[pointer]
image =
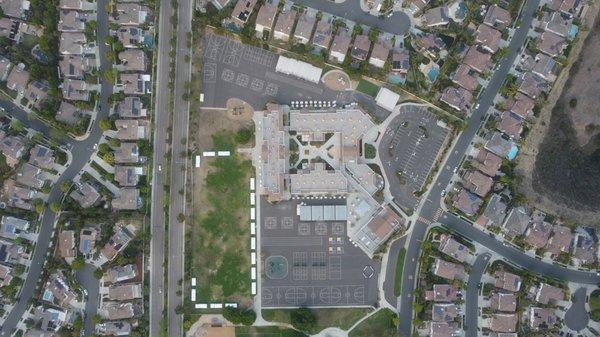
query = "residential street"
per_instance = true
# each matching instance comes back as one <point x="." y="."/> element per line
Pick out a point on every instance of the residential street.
<point x="81" y="151"/>
<point x="471" y="302"/>
<point x="157" y="214"/>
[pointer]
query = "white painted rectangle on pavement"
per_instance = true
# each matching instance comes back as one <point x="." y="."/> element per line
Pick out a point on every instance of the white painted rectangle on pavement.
<point x="193" y="295"/>
<point x="252" y="228"/>
<point x="253" y="273"/>
<point x="252" y="213"/>
<point x="231" y="305"/>
<point x="223" y="153"/>
<point x="197" y="161"/>
<point x="209" y="153"/>
<point x="193" y="281"/>
<point x="216" y="305"/>
<point x="253" y="288"/>
<point x="253" y="243"/>
<point x="201" y="306"/>
<point x="252" y="186"/>
<point x="253" y="258"/>
<point x="252" y="198"/>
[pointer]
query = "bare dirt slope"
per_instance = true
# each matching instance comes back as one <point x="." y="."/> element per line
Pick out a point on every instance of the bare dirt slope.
<point x="560" y="162"/>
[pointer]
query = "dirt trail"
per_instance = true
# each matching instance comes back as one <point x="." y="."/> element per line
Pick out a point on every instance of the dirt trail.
<point x="529" y="151"/>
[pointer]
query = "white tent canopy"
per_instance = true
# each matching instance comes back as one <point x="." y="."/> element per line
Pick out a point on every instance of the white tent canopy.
<point x="299" y="69"/>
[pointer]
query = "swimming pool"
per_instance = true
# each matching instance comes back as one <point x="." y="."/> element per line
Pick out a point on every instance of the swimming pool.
<point x="574" y="30"/>
<point x="433" y="73"/>
<point x="512" y="153"/>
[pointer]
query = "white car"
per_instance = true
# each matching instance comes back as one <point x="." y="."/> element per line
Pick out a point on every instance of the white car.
<point x="455" y="169"/>
<point x="159" y="168"/>
<point x="476" y="106"/>
<point x="443" y="193"/>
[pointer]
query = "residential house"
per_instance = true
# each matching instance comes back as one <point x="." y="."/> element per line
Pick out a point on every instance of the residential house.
<point x="537" y="234"/>
<point x="457" y="98"/>
<point x="541" y="318"/>
<point x="511" y="125"/>
<point x="36" y="93"/>
<point x="87" y="240"/>
<point x="5" y="67"/>
<point x="8" y="28"/>
<point x="85" y="194"/>
<point x="429" y="44"/>
<point x="125" y="292"/>
<point x="379" y="54"/>
<point x="114" y="328"/>
<point x="488" y="38"/>
<point x="128" y="153"/>
<point x="467" y="202"/>
<point x="361" y="47"/>
<point x="340" y="45"/>
<point x="66" y="245"/>
<point x="478" y="183"/>
<point x="494" y="212"/>
<point x="130" y="107"/>
<point x="6" y="275"/>
<point x="58" y="292"/>
<point x="418" y="5"/>
<point x="501" y="147"/>
<point x="266" y="17"/>
<point x="11" y="227"/>
<point x="477" y="60"/>
<point x="437" y="16"/>
<point x="18" y="78"/>
<point x="128" y="176"/>
<point x="72" y="43"/>
<point x="570" y="8"/>
<point x="71" y="21"/>
<point x="323" y="33"/>
<point x="551" y="44"/>
<point x="76" y="4"/>
<point x="444" y="312"/>
<point x="12" y="147"/>
<point x="497" y="17"/>
<point x="75" y="90"/>
<point x="241" y="12"/>
<point x="549" y="294"/>
<point x="30" y="176"/>
<point x="74" y="66"/>
<point x="585" y="245"/>
<point x="304" y="27"/>
<point x="557" y="23"/>
<point x="400" y="61"/>
<point x="507" y="281"/>
<point x="42" y="157"/>
<point x="532" y="85"/>
<point x="128" y="199"/>
<point x="451" y="247"/>
<point x="132" y="129"/>
<point x="135" y="84"/>
<point x="117" y="310"/>
<point x="441" y="329"/>
<point x="517" y="221"/>
<point x="68" y="113"/>
<point x="220" y="4"/>
<point x="448" y="270"/>
<point x="15" y="8"/>
<point x="503" y="322"/>
<point x="130" y="37"/>
<point x="285" y="24"/>
<point x="545" y="67"/>
<point x="443" y="293"/>
<point x="130" y="14"/>
<point x="50" y="319"/>
<point x="561" y="241"/>
<point x="117" y="242"/>
<point x="522" y="106"/>
<point x="506" y="302"/>
<point x="121" y="273"/>
<point x="133" y="60"/>
<point x="487" y="162"/>
<point x="17" y="196"/>
<point x="466" y="77"/>
<point x="12" y="253"/>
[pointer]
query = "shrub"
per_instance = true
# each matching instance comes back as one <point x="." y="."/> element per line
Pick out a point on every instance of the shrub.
<point x="244" y="136"/>
<point x="239" y="316"/>
<point x="303" y="319"/>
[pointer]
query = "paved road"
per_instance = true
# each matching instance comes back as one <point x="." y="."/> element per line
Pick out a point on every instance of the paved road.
<point x="577" y="318"/>
<point x="472" y="311"/>
<point x="179" y="146"/>
<point x="157" y="214"/>
<point x="81" y="152"/>
<point x="85" y="277"/>
<point x="398" y="23"/>
<point x="431" y="205"/>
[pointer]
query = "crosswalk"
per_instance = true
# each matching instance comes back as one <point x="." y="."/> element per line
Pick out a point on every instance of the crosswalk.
<point x="435" y="218"/>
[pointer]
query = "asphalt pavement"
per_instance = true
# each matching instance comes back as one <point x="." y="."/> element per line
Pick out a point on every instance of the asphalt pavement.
<point x="472" y="310"/>
<point x="179" y="142"/>
<point x="81" y="152"/>
<point x="157" y="214"/>
<point x="577" y="318"/>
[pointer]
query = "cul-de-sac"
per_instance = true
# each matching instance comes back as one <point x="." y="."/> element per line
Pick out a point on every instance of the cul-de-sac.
<point x="299" y="168"/>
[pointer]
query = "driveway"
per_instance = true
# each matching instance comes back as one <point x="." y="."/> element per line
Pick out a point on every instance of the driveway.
<point x="577" y="318"/>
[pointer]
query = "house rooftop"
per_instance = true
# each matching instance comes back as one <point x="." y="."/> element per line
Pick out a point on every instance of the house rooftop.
<point x="532" y="85"/>
<point x="127" y="199"/>
<point x="30" y="176"/>
<point x="522" y="106"/>
<point x="285" y="23"/>
<point x="507" y="281"/>
<point x="467" y="202"/>
<point x="121" y="273"/>
<point x="17" y="78"/>
<point x="133" y="60"/>
<point x="457" y="98"/>
<point x="131" y="14"/>
<point x="488" y="37"/>
<point x="453" y="248"/>
<point x="130" y="107"/>
<point x="132" y="129"/>
<point x="86" y="195"/>
<point x="510" y="124"/>
<point x="487" y="162"/>
<point x="561" y="240"/>
<point x="266" y="14"/>
<point x="323" y="33"/>
<point x="506" y="302"/>
<point x="538" y="233"/>
<point x="66" y="244"/>
<point x="517" y="221"/>
<point x="442" y="293"/>
<point x="547" y="294"/>
<point x="444" y="312"/>
<point x="437" y="16"/>
<point x="74" y="66"/>
<point x="128" y="175"/>
<point x="128" y="153"/>
<point x="68" y="113"/>
<point x="125" y="292"/>
<point x="466" y="77"/>
<point x="448" y="270"/>
<point x="503" y="322"/>
<point x="494" y="212"/>
<point x="497" y="17"/>
<point x="551" y="44"/>
<point x="478" y="60"/>
<point x="304" y="27"/>
<point x="542" y="318"/>
<point x="242" y="10"/>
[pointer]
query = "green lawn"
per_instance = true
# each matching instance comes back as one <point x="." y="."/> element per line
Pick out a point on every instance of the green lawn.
<point x="220" y="234"/>
<point x="367" y="88"/>
<point x="399" y="268"/>
<point x="342" y="318"/>
<point x="595" y="305"/>
<point x="381" y="324"/>
<point x="266" y="331"/>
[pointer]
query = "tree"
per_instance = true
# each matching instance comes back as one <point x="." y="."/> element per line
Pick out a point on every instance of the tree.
<point x="239" y="316"/>
<point x="244" y="135"/>
<point x="180" y="217"/>
<point x="78" y="263"/>
<point x="303" y="319"/>
<point x="55" y="207"/>
<point x="105" y="124"/>
<point x="65" y="186"/>
<point x="39" y="205"/>
<point x="98" y="273"/>
<point x="16" y="125"/>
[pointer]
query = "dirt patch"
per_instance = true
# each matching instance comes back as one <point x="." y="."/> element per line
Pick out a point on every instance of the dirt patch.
<point x="238" y="110"/>
<point x="560" y="161"/>
<point x="337" y="80"/>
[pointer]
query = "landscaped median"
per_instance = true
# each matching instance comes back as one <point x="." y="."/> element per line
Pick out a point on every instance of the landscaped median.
<point x="399" y="268"/>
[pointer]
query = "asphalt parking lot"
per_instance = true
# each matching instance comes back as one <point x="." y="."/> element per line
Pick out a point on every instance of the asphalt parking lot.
<point x="322" y="267"/>
<point x="232" y="69"/>
<point x="410" y="145"/>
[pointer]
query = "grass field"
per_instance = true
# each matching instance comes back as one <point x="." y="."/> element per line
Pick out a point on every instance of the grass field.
<point x="399" y="268"/>
<point x="342" y="318"/>
<point x="266" y="331"/>
<point x="381" y="324"/>
<point x="595" y="305"/>
<point x="220" y="231"/>
<point x="368" y="88"/>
